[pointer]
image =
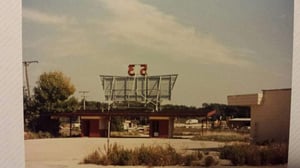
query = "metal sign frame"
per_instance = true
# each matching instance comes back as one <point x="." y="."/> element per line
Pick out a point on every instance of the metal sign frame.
<point x="143" y="89"/>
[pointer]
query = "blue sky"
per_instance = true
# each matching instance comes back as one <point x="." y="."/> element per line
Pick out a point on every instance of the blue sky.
<point x="218" y="48"/>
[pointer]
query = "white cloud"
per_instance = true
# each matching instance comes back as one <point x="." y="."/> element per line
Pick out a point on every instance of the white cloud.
<point x="44" y="18"/>
<point x="145" y="26"/>
<point x="140" y="26"/>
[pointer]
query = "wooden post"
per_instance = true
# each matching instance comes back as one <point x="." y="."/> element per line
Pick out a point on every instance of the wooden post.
<point x="70" y="126"/>
<point x="108" y="134"/>
<point x="206" y="123"/>
<point x="202" y="127"/>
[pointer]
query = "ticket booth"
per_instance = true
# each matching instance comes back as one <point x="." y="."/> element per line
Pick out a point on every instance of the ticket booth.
<point x="94" y="126"/>
<point x="161" y="127"/>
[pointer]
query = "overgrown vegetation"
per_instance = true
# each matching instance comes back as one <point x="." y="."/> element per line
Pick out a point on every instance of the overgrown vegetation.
<point x="223" y="138"/>
<point x="255" y="155"/>
<point x="238" y="154"/>
<point x="144" y="155"/>
<point x="117" y="123"/>
<point x="215" y="135"/>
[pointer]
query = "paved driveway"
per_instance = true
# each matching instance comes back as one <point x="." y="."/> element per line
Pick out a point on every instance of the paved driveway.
<point x="68" y="152"/>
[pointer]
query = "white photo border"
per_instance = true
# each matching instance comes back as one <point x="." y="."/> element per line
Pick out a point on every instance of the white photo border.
<point x="12" y="153"/>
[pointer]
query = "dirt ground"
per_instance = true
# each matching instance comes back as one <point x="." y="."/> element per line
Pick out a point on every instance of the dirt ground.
<point x="69" y="152"/>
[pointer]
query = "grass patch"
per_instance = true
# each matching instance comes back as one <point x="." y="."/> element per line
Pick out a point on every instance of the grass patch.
<point x="183" y="130"/>
<point x="223" y="136"/>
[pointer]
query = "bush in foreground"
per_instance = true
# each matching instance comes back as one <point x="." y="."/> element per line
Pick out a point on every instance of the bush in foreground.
<point x="255" y="155"/>
<point x="144" y="155"/>
<point x="210" y="161"/>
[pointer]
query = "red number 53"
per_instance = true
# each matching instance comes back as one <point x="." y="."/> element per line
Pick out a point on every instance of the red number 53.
<point x="143" y="69"/>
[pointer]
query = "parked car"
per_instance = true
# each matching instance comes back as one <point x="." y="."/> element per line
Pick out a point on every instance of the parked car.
<point x="191" y="121"/>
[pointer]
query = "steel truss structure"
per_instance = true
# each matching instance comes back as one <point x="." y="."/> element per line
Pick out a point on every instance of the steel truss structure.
<point x="140" y="89"/>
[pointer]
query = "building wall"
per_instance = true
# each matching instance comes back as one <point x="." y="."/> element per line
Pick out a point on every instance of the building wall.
<point x="270" y="120"/>
<point x="243" y="100"/>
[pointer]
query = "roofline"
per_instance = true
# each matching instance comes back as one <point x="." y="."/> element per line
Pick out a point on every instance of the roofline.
<point x="118" y="76"/>
<point x="282" y="89"/>
<point x="251" y="94"/>
<point x="276" y="89"/>
<point x="167" y="113"/>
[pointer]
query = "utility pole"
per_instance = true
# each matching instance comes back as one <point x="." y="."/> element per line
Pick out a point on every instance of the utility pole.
<point x="26" y="64"/>
<point x="83" y="92"/>
<point x="84" y="96"/>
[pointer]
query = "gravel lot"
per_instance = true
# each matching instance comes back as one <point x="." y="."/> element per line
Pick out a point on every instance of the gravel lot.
<point x="68" y="152"/>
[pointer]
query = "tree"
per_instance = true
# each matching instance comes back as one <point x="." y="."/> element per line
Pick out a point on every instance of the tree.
<point x="93" y="105"/>
<point x="52" y="95"/>
<point x="228" y="110"/>
<point x="117" y="123"/>
<point x="30" y="112"/>
<point x="52" y="89"/>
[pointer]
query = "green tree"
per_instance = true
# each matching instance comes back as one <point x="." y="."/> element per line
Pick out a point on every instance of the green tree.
<point x="117" y="123"/>
<point x="30" y="113"/>
<point x="93" y="105"/>
<point x="52" y="95"/>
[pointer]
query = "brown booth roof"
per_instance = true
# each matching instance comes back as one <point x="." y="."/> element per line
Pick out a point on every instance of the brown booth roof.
<point x="128" y="112"/>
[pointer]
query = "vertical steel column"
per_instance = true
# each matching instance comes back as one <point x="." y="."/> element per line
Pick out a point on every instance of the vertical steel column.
<point x="158" y="94"/>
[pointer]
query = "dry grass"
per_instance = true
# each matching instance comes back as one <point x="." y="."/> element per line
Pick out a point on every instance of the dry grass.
<point x="213" y="134"/>
<point x="155" y="155"/>
<point x="228" y="136"/>
<point x="256" y="155"/>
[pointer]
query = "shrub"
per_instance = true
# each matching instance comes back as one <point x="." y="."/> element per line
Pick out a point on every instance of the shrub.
<point x="93" y="158"/>
<point x="275" y="154"/>
<point x="234" y="153"/>
<point x="255" y="155"/>
<point x="44" y="134"/>
<point x="209" y="161"/>
<point x="150" y="155"/>
<point x="38" y="135"/>
<point x="188" y="159"/>
<point x="116" y="124"/>
<point x="143" y="155"/>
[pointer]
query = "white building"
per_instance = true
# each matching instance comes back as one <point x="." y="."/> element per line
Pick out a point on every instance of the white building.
<point x="270" y="113"/>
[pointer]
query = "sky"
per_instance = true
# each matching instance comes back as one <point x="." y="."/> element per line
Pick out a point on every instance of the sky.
<point x="217" y="48"/>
